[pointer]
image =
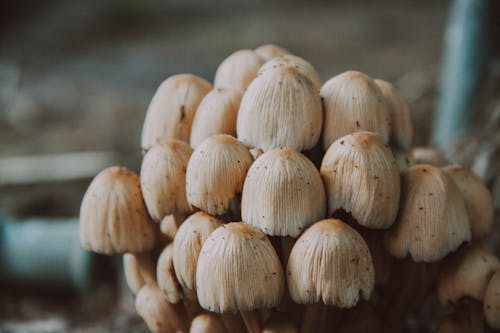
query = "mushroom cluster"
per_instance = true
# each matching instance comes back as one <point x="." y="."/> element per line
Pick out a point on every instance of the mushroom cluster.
<point x="271" y="202"/>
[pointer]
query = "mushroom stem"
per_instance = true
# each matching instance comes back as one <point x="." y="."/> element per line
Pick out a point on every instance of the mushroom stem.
<point x="286" y="248"/>
<point x="191" y="303"/>
<point x="251" y="319"/>
<point x="233" y="322"/>
<point x="312" y="315"/>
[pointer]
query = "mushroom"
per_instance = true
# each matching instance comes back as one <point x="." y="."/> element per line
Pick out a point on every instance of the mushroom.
<point x="270" y="51"/>
<point x="171" y="111"/>
<point x="168" y="228"/>
<point x="477" y="197"/>
<point x="113" y="216"/>
<point x="165" y="275"/>
<point x="216" y="172"/>
<point x="239" y="270"/>
<point x="362" y="178"/>
<point x="216" y="114"/>
<point x="428" y="155"/>
<point x="353" y="102"/>
<point x="492" y="301"/>
<point x="401" y="134"/>
<point x="163" y="179"/>
<point x="207" y="323"/>
<point x="238" y="70"/>
<point x="432" y="219"/>
<point x="283" y="193"/>
<point x="281" y="108"/>
<point x="138" y="270"/>
<point x="302" y="65"/>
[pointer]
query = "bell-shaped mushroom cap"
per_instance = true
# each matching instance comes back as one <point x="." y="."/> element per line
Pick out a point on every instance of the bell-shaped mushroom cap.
<point x="238" y="270"/>
<point x="492" y="301"/>
<point x="279" y="324"/>
<point x="133" y="273"/>
<point x="302" y="65"/>
<point x="432" y="219"/>
<point x="283" y="193"/>
<point x="270" y="51"/>
<point x="216" y="173"/>
<point x="207" y="323"/>
<point x="353" y="102"/>
<point x="160" y="316"/>
<point x="187" y="246"/>
<point x="171" y="111"/>
<point x="165" y="274"/>
<point x="466" y="273"/>
<point x="216" y="114"/>
<point x="401" y="134"/>
<point x="113" y="216"/>
<point x="330" y="262"/>
<point x="163" y="179"/>
<point x="281" y="108"/>
<point x="361" y="177"/>
<point x="428" y="155"/>
<point x="238" y="70"/>
<point x="477" y="198"/>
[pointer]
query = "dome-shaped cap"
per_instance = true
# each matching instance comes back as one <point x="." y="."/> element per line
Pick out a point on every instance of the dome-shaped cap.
<point x="238" y="70"/>
<point x="165" y="274"/>
<point x="270" y="51"/>
<point x="302" y="65"/>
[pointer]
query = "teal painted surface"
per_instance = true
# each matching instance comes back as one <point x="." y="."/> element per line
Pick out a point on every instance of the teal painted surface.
<point x="464" y="63"/>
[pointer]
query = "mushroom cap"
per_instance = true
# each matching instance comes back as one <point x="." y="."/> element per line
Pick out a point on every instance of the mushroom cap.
<point x="187" y="246"/>
<point x="330" y="262"/>
<point x="165" y="274"/>
<point x="361" y="177"/>
<point x="477" y="197"/>
<point x="207" y="323"/>
<point x="283" y="193"/>
<point x="270" y="51"/>
<point x="238" y="270"/>
<point x="303" y="66"/>
<point x="353" y="102"/>
<point x="113" y="216"/>
<point x="132" y="272"/>
<point x="163" y="179"/>
<point x="216" y="114"/>
<point x="432" y="219"/>
<point x="281" y="108"/>
<point x="466" y="273"/>
<point x="171" y="111"/>
<point x="238" y="70"/>
<point x="492" y="301"/>
<point x="401" y="134"/>
<point x="216" y="173"/>
<point x="169" y="226"/>
<point x="428" y="155"/>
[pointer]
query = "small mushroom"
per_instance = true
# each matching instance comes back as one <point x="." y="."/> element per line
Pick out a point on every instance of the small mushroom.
<point x="165" y="274"/>
<point x="171" y="111"/>
<point x="352" y="103"/>
<point x="238" y="70"/>
<point x="270" y="51"/>
<point x="113" y="216"/>
<point x="137" y="274"/>
<point x="428" y="155"/>
<point x="432" y="219"/>
<point x="207" y="323"/>
<point x="168" y="228"/>
<point x="302" y="65"/>
<point x="492" y="301"/>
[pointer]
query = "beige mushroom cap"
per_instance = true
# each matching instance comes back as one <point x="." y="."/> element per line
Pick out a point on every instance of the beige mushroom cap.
<point x="207" y="323"/>
<point x="361" y="177"/>
<point x="270" y="51"/>
<point x="428" y="155"/>
<point x="283" y="193"/>
<point x="216" y="114"/>
<point x="492" y="301"/>
<point x="165" y="274"/>
<point x="138" y="270"/>
<point x="432" y="219"/>
<point x="187" y="246"/>
<point x="331" y="263"/>
<point x="478" y="199"/>
<point x="113" y="216"/>
<point x="238" y="270"/>
<point x="216" y="173"/>
<point x="303" y="66"/>
<point x="238" y="70"/>
<point x="281" y="108"/>
<point x="466" y="273"/>
<point x="353" y="102"/>
<point x="171" y="111"/>
<point x="163" y="179"/>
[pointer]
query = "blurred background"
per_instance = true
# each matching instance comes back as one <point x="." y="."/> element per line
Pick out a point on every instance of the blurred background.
<point x="76" y="78"/>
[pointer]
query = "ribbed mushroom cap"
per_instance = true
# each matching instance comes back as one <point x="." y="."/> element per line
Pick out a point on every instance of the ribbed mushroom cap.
<point x="238" y="70"/>
<point x="353" y="102"/>
<point x="163" y="179"/>
<point x="270" y="51"/>
<point x="432" y="219"/>
<point x="165" y="275"/>
<point x="302" y="65"/>
<point x="216" y="114"/>
<point x="216" y="173"/>
<point x="477" y="198"/>
<point x="283" y="193"/>
<point x="492" y="301"/>
<point x="238" y="270"/>
<point x="171" y="111"/>
<point x="401" y="134"/>
<point x="113" y="216"/>
<point x="331" y="263"/>
<point x="428" y="155"/>
<point x="207" y="323"/>
<point x="466" y="273"/>
<point x="361" y="177"/>
<point x="279" y="324"/>
<point x="281" y="108"/>
<point x="160" y="316"/>
<point x="187" y="246"/>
